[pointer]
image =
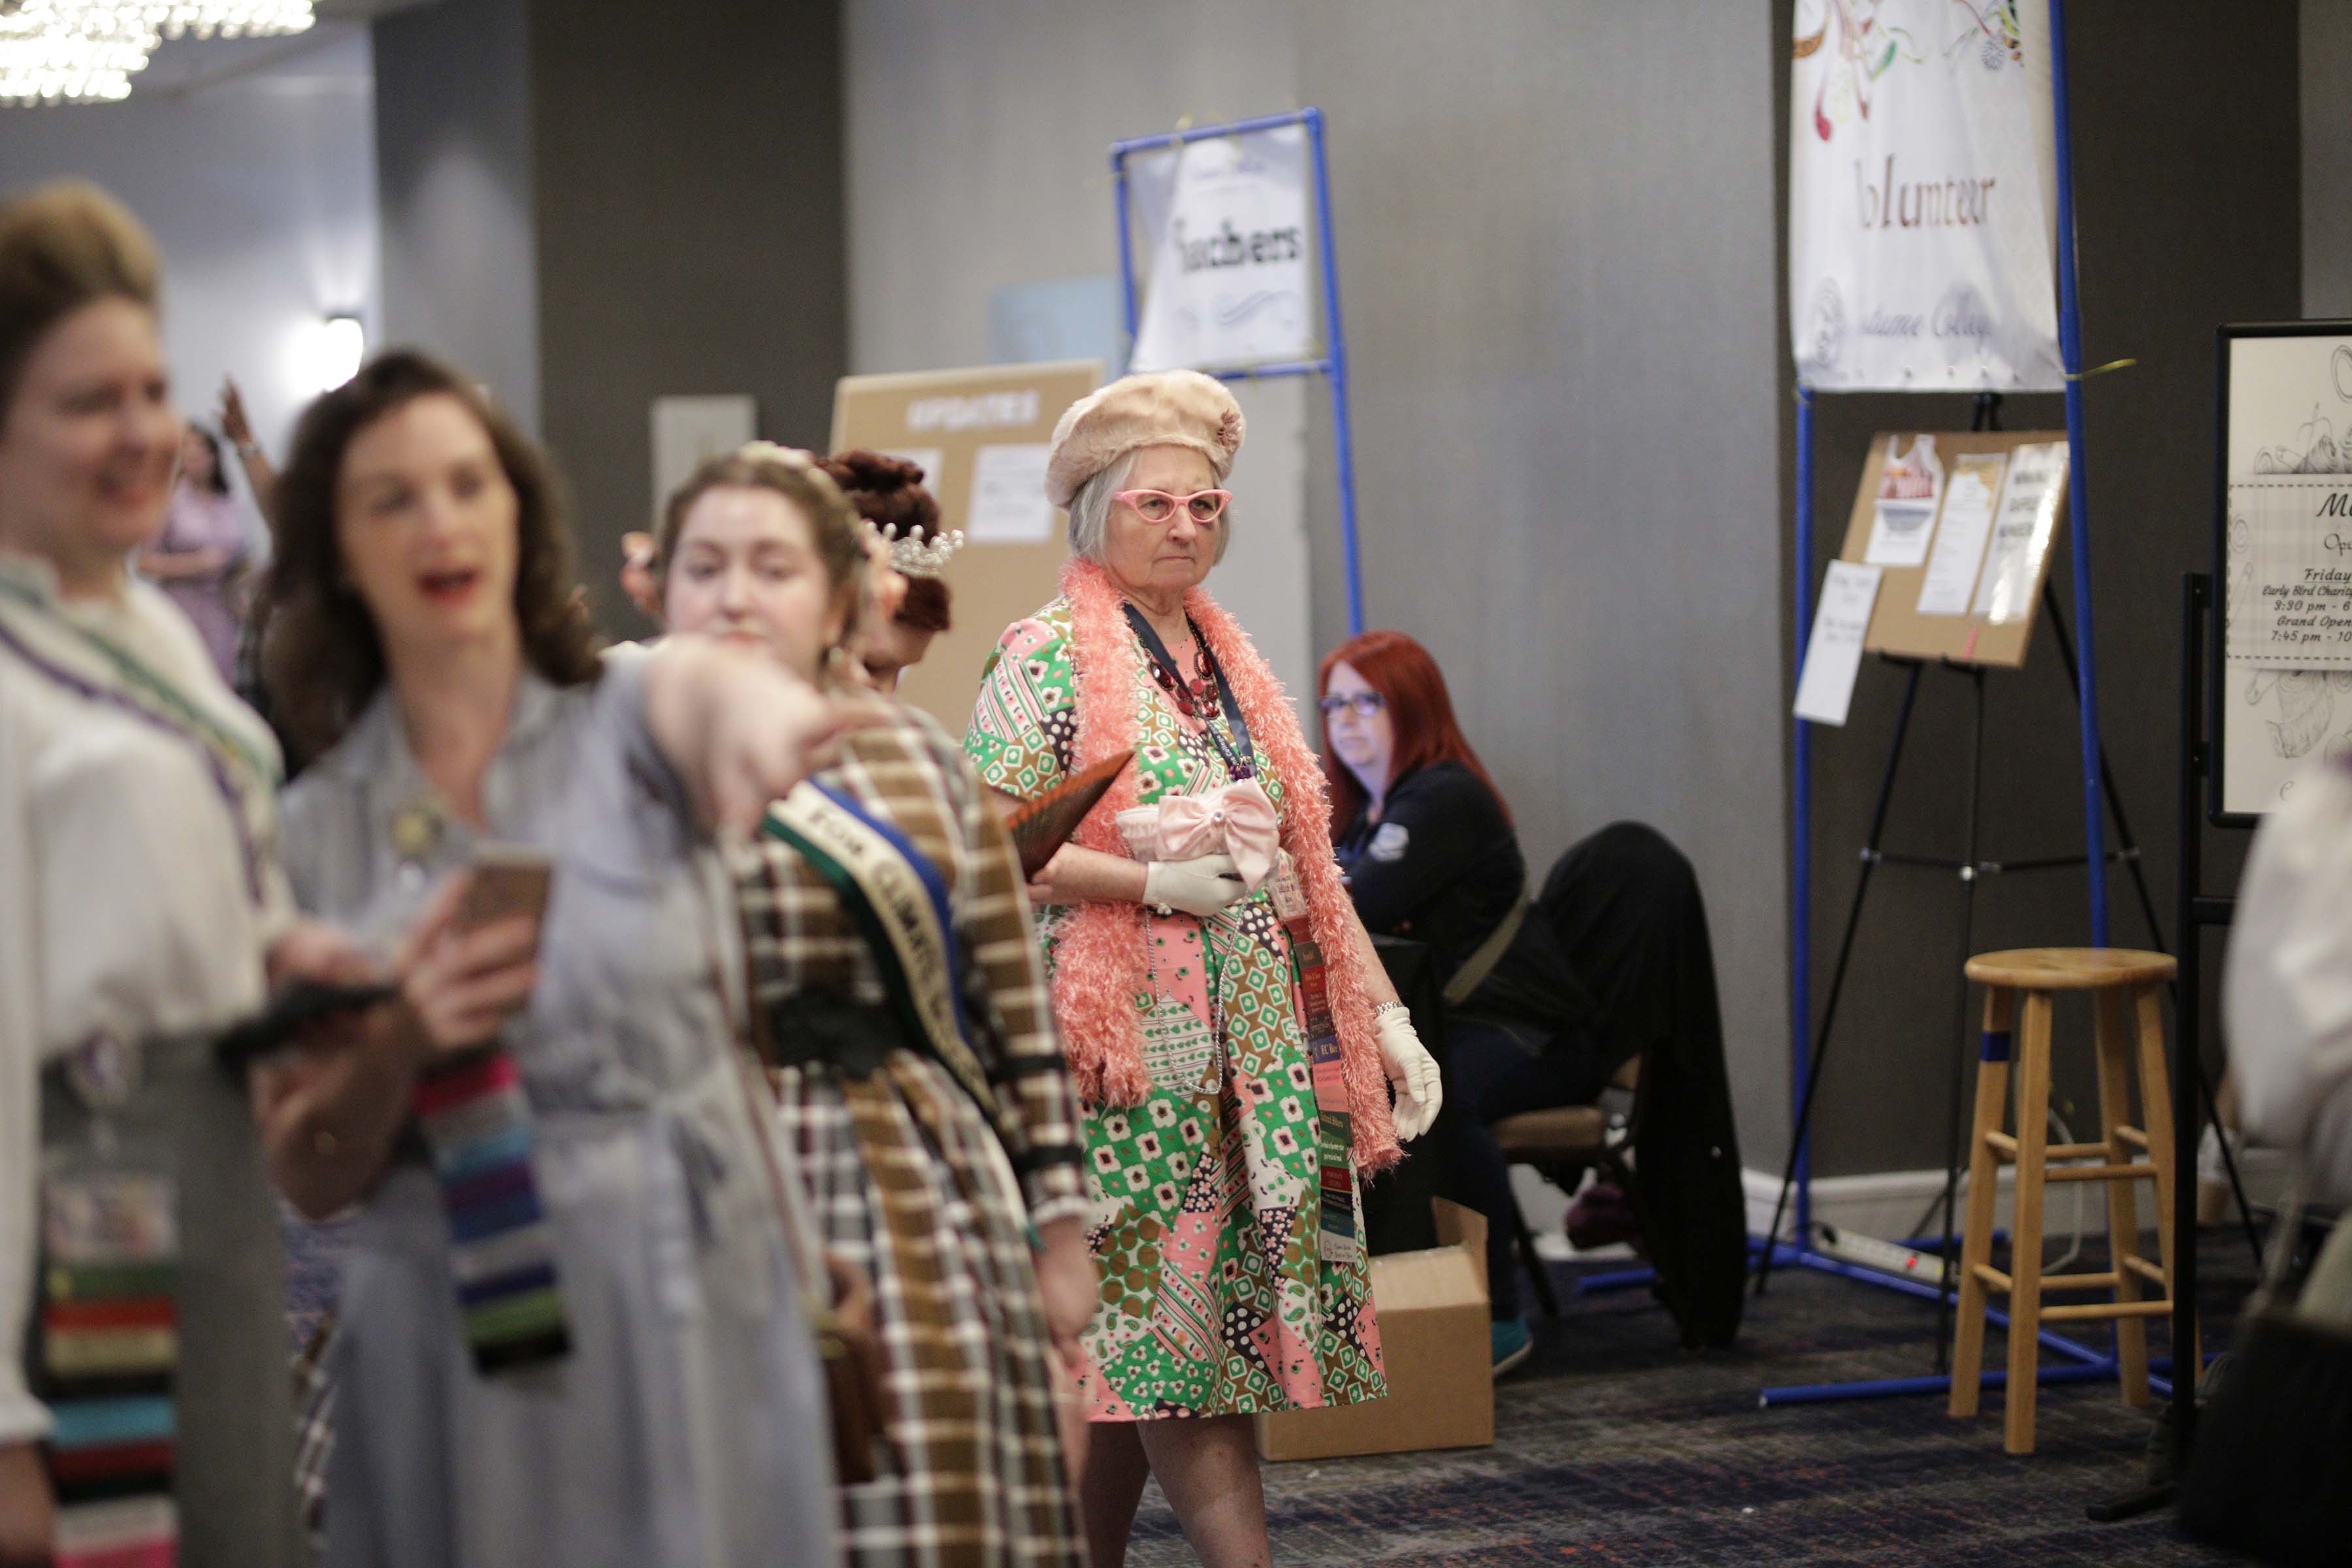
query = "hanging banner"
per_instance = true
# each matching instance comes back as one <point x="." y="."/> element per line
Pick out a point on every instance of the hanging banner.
<point x="1922" y="179"/>
<point x="1224" y="231"/>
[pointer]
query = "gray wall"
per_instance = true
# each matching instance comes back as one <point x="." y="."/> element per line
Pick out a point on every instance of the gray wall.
<point x="454" y="159"/>
<point x="2326" y="75"/>
<point x="1567" y="441"/>
<point x="977" y="160"/>
<point x="590" y="212"/>
<point x="2187" y="161"/>
<point x="1566" y="423"/>
<point x="259" y="190"/>
<point x="690" y="233"/>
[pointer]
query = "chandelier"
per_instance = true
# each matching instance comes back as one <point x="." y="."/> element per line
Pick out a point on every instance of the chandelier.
<point x="92" y="61"/>
<point x="207" y="19"/>
<point x="87" y="51"/>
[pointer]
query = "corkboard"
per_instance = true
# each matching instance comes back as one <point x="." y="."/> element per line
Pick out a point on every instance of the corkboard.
<point x="994" y="584"/>
<point x="1896" y="627"/>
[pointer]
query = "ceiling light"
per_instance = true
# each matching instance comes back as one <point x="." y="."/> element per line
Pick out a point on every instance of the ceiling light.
<point x="171" y="18"/>
<point x="42" y="60"/>
<point x="221" y="19"/>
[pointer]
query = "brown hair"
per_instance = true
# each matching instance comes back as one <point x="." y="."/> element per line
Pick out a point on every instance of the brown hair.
<point x="790" y="473"/>
<point x="889" y="493"/>
<point x="322" y="659"/>
<point x="928" y="605"/>
<point x="62" y="247"/>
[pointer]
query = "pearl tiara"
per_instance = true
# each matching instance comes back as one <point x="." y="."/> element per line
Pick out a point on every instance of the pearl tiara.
<point x="917" y="556"/>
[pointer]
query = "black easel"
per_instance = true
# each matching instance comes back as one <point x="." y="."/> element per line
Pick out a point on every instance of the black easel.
<point x="1986" y="415"/>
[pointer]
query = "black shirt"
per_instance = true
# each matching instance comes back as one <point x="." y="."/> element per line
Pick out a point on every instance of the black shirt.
<point x="1442" y="866"/>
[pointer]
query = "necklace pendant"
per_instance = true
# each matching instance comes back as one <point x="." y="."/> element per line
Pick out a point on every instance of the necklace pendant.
<point x="416" y="831"/>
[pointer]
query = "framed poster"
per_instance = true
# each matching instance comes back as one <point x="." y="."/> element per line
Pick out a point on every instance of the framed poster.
<point x="2282" y="678"/>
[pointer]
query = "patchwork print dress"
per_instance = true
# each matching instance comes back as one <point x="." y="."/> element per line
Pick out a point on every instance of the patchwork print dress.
<point x="1223" y="1209"/>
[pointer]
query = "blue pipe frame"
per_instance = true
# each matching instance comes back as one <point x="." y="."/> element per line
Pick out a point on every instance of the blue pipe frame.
<point x="1332" y="366"/>
<point x="2083" y="1363"/>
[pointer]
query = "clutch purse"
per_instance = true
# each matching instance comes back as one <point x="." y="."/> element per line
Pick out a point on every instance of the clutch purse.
<point x="1236" y="820"/>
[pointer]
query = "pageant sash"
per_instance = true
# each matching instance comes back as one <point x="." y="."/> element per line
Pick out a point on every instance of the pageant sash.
<point x="900" y="901"/>
<point x="94" y="668"/>
<point x="152" y="691"/>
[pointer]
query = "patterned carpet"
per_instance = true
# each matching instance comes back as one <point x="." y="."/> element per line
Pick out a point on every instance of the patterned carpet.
<point x="1612" y="1447"/>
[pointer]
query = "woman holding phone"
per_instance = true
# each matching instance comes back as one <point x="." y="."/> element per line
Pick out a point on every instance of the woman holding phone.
<point x="572" y="1329"/>
<point x="913" y="1055"/>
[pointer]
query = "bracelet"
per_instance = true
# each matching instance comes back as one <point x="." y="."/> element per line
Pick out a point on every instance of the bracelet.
<point x="248" y="448"/>
<point x="1383" y="1009"/>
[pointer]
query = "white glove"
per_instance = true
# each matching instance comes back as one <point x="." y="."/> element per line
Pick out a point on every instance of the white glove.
<point x="1206" y="886"/>
<point x="1413" y="1072"/>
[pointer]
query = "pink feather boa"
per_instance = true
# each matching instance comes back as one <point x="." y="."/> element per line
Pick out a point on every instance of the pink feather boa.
<point x="1100" y="970"/>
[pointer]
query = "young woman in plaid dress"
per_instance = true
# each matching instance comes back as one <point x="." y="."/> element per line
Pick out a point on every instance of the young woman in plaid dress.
<point x="914" y="1064"/>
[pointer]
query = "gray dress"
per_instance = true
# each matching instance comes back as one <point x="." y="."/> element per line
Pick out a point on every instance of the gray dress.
<point x="688" y="1424"/>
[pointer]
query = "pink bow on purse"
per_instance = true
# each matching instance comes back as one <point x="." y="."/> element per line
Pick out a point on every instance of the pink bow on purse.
<point x="1237" y="820"/>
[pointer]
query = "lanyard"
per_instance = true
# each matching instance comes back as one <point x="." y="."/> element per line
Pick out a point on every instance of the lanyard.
<point x="1237" y="753"/>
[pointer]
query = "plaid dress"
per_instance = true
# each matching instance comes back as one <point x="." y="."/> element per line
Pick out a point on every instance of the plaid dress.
<point x="909" y="1179"/>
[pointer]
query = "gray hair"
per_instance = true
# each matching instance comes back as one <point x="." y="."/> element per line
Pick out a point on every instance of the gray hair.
<point x="1090" y="512"/>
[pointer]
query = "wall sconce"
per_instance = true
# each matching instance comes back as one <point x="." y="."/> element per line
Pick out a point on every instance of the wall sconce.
<point x="336" y="347"/>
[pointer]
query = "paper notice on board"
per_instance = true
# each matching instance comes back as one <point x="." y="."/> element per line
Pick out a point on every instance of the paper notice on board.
<point x="1960" y="535"/>
<point x="1904" y="517"/>
<point x="1833" y="653"/>
<point x="2023" y="526"/>
<point x="1008" y="496"/>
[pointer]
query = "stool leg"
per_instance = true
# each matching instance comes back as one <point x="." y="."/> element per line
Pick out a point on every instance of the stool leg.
<point x="1984" y="1185"/>
<point x="2155" y="1110"/>
<point x="2025" y="1225"/>
<point x="2115" y="1053"/>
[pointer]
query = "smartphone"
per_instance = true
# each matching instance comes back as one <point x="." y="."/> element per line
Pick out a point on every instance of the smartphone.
<point x="290" y="1012"/>
<point x="508" y="879"/>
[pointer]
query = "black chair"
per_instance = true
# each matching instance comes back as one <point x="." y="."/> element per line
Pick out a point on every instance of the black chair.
<point x="1573" y="1136"/>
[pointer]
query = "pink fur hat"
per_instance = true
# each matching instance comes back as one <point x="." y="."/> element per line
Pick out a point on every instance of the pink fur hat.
<point x="1166" y="408"/>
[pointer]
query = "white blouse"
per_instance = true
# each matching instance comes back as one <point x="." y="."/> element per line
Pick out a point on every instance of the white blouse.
<point x="2289" y="991"/>
<point x="138" y="877"/>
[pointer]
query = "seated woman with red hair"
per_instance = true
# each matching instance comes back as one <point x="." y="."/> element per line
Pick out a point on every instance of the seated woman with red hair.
<point x="1546" y="998"/>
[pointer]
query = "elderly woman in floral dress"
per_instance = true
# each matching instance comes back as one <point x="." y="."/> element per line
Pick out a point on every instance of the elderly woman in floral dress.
<point x="1227" y="1025"/>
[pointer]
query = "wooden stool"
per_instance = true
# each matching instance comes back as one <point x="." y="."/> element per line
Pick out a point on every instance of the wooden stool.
<point x="2123" y="987"/>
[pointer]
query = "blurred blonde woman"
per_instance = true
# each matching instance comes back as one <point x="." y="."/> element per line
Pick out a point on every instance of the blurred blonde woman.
<point x="142" y="905"/>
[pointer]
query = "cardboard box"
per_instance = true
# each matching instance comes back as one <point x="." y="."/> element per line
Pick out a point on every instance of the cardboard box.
<point x="1432" y="1308"/>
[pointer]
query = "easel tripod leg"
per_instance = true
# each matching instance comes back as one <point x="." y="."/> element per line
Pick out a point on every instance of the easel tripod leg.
<point x="1837" y="976"/>
<point x="1960" y="1025"/>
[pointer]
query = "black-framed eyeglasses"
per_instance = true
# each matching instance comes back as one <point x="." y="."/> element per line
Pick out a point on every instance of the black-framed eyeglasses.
<point x="1364" y="704"/>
